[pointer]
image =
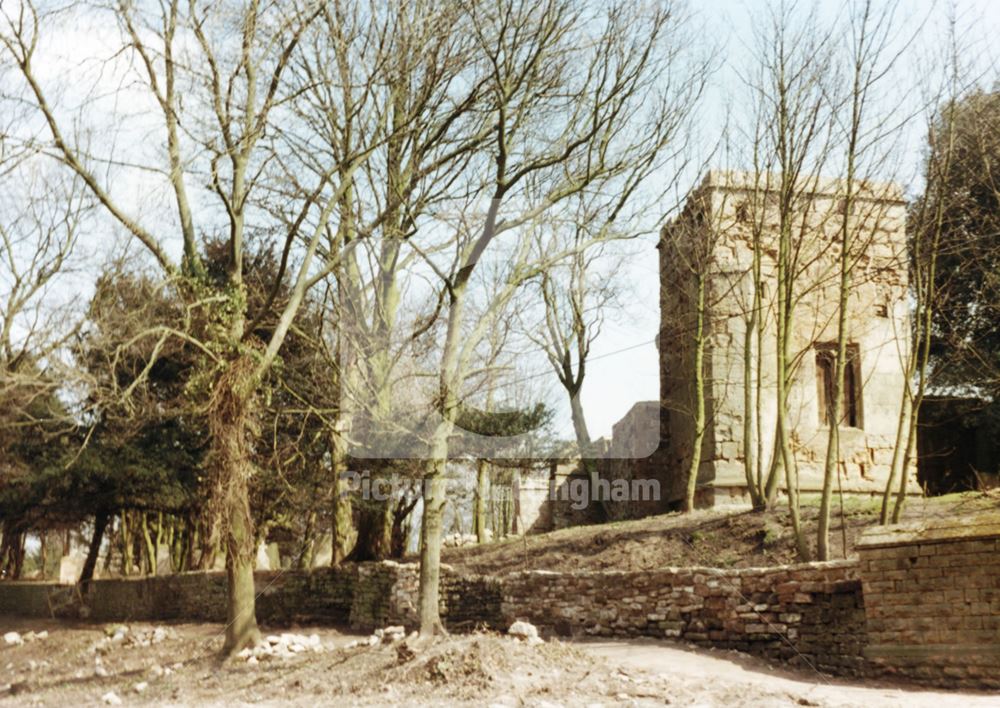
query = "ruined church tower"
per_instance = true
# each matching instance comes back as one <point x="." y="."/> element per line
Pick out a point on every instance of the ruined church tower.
<point x="712" y="243"/>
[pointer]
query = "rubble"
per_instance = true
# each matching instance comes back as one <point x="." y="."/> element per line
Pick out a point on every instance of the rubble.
<point x="111" y="698"/>
<point x="121" y="634"/>
<point x="456" y="540"/>
<point x="525" y="631"/>
<point x="17" y="639"/>
<point x="282" y="646"/>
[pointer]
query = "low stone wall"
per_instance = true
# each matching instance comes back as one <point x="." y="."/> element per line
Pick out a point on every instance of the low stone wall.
<point x="320" y="595"/>
<point x="810" y="615"/>
<point x="923" y="602"/>
<point x="363" y="595"/>
<point x="388" y="592"/>
<point x="932" y="594"/>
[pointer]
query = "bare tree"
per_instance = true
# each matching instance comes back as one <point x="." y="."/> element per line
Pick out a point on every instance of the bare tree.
<point x="427" y="102"/>
<point x="220" y="79"/>
<point x="41" y="217"/>
<point x="577" y="295"/>
<point x="865" y="141"/>
<point x="928" y="225"/>
<point x="791" y="136"/>
<point x="570" y="115"/>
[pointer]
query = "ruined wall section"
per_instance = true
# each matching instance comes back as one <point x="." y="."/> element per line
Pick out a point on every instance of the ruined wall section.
<point x="922" y="603"/>
<point x="684" y="251"/>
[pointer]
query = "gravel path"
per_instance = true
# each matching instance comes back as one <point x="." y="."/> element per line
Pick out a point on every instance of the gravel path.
<point x="712" y="678"/>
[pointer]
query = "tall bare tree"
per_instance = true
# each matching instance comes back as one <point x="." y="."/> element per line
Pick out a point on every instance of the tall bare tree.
<point x="577" y="296"/>
<point x="219" y="79"/>
<point x="580" y="101"/>
<point x="949" y="82"/>
<point x="791" y="134"/>
<point x="864" y="140"/>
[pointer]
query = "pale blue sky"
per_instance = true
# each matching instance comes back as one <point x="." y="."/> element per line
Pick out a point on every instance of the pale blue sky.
<point x="618" y="379"/>
<point x="623" y="368"/>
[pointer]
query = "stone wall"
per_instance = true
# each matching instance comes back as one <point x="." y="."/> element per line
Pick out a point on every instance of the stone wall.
<point x="363" y="595"/>
<point x="318" y="595"/>
<point x="923" y="603"/>
<point x="808" y="615"/>
<point x="712" y="241"/>
<point x="634" y="454"/>
<point x="932" y="594"/>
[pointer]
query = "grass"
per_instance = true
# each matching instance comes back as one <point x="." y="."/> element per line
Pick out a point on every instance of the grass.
<point x="707" y="537"/>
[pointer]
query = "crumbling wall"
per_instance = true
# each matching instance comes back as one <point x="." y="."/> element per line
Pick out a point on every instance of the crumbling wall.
<point x="808" y="615"/>
<point x="923" y="603"/>
<point x="635" y="454"/>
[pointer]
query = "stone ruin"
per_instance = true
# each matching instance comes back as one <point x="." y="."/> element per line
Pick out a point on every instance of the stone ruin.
<point x="713" y="238"/>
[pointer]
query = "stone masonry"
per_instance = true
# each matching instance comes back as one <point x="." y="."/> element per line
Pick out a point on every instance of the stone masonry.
<point x="922" y="603"/>
<point x="808" y="615"/>
<point x="932" y="596"/>
<point x="713" y="237"/>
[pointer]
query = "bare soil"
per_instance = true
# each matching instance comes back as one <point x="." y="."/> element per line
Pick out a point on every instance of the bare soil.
<point x="712" y="538"/>
<point x="467" y="670"/>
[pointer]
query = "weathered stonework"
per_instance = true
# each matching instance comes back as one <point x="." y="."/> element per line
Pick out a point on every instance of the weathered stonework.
<point x="713" y="237"/>
<point x="360" y="595"/>
<point x="808" y="615"/>
<point x="932" y="593"/>
<point x="635" y="454"/>
<point x="923" y="603"/>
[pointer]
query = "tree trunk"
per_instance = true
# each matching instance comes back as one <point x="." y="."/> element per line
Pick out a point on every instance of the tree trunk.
<point x="342" y="524"/>
<point x="479" y="505"/>
<point x="751" y="404"/>
<point x="18" y="548"/>
<point x="430" y="548"/>
<point x="911" y="451"/>
<point x="698" y="385"/>
<point x="831" y="463"/>
<point x="100" y="524"/>
<point x="126" y="543"/>
<point x="785" y="307"/>
<point x="308" y="549"/>
<point x="598" y="505"/>
<point x="232" y="417"/>
<point x="753" y="462"/>
<point x="241" y="618"/>
<point x="401" y="525"/>
<point x="150" y="546"/>
<point x="43" y="552"/>
<point x="374" y="542"/>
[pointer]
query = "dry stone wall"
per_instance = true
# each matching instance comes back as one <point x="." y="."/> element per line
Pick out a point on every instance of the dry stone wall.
<point x="809" y="615"/>
<point x="923" y="602"/>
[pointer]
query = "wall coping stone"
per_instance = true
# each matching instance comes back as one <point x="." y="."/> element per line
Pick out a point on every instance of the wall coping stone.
<point x="982" y="526"/>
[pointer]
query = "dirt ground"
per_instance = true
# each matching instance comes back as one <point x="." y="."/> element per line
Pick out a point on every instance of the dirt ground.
<point x="716" y="538"/>
<point x="78" y="664"/>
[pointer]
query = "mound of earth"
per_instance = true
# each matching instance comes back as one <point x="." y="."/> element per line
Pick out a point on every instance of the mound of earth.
<point x="713" y="538"/>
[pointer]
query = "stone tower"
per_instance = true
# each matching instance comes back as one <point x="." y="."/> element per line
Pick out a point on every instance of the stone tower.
<point x="712" y="241"/>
